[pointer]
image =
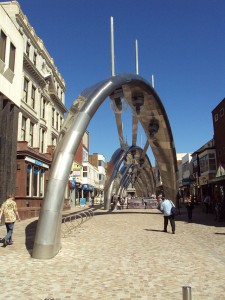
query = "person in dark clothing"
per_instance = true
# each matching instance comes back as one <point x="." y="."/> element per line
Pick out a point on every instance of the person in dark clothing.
<point x="189" y="205"/>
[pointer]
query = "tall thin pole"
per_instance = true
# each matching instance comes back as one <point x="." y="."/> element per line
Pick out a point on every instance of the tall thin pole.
<point x="153" y="82"/>
<point x="112" y="49"/>
<point x="136" y="56"/>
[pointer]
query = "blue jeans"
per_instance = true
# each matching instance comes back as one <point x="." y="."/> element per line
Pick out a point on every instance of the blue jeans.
<point x="9" y="227"/>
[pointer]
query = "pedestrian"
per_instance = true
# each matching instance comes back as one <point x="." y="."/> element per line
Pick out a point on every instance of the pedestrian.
<point x="10" y="212"/>
<point x="189" y="201"/>
<point x="207" y="201"/>
<point x="165" y="207"/>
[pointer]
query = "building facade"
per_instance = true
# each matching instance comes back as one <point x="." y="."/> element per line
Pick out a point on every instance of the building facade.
<point x="218" y="183"/>
<point x="98" y="160"/>
<point x="41" y="101"/>
<point x="11" y="70"/>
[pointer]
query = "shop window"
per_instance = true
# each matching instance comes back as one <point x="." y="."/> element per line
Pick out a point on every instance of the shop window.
<point x="28" y="183"/>
<point x="35" y="181"/>
<point x="2" y="45"/>
<point x="41" y="187"/>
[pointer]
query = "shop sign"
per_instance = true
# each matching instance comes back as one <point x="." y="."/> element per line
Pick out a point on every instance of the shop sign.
<point x="76" y="173"/>
<point x="87" y="187"/>
<point x="76" y="167"/>
<point x="36" y="162"/>
<point x="203" y="180"/>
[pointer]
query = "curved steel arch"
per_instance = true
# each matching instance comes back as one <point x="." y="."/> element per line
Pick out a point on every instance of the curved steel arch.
<point x="148" y="109"/>
<point x="113" y="170"/>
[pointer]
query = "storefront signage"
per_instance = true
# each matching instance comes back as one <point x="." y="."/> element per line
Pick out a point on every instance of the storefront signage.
<point x="87" y="187"/>
<point x="36" y="162"/>
<point x="203" y="180"/>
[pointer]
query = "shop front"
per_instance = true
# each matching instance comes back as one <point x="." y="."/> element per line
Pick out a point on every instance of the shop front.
<point x="87" y="191"/>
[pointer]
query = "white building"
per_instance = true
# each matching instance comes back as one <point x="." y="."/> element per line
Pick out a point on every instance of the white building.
<point x="39" y="90"/>
<point x="11" y="69"/>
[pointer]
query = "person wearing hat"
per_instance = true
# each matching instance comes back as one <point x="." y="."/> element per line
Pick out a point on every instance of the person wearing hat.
<point x="10" y="212"/>
<point x="165" y="207"/>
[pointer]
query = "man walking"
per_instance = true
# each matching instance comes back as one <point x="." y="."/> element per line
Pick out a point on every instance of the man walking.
<point x="10" y="212"/>
<point x="165" y="207"/>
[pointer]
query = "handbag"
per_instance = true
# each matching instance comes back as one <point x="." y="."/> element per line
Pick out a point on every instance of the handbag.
<point x="174" y="211"/>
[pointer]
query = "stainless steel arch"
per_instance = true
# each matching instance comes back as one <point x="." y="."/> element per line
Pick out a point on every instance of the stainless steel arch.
<point x="113" y="171"/>
<point x="151" y="115"/>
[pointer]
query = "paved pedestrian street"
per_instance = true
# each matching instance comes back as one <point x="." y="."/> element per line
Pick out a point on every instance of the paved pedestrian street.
<point x="120" y="255"/>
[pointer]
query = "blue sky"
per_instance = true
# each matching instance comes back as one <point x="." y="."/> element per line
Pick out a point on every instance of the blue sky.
<point x="181" y="42"/>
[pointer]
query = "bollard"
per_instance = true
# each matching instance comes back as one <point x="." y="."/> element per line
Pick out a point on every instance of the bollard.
<point x="186" y="293"/>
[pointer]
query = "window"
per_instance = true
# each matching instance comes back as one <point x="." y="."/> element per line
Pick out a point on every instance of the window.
<point x="221" y="112"/>
<point x="42" y="139"/>
<point x="53" y="117"/>
<point x="43" y="108"/>
<point x="35" y="58"/>
<point x="23" y="129"/>
<point x="216" y="117"/>
<point x="28" y="49"/>
<point x="57" y="121"/>
<point x="2" y="45"/>
<point x="31" y="137"/>
<point x="207" y="163"/>
<point x="33" y="90"/>
<point x="12" y="56"/>
<point x="28" y="184"/>
<point x="35" y="181"/>
<point x="53" y="140"/>
<point x="41" y="186"/>
<point x="61" y="121"/>
<point x="101" y="163"/>
<point x="84" y="171"/>
<point x="85" y="155"/>
<point x="25" y="89"/>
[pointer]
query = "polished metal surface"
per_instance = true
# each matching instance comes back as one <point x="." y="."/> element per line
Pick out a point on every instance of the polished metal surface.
<point x="151" y="114"/>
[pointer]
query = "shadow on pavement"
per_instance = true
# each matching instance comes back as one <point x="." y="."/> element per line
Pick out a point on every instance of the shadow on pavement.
<point x="30" y="235"/>
<point x="199" y="217"/>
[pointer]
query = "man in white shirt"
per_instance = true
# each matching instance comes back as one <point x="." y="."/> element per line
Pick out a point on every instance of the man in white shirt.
<point x="165" y="207"/>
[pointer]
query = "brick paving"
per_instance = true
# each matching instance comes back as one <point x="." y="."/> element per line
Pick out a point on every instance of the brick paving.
<point x="120" y="255"/>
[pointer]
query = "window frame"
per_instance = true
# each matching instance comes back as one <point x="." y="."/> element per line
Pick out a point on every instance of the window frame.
<point x="25" y="89"/>
<point x="33" y="92"/>
<point x="12" y="57"/>
<point x="3" y="43"/>
<point x="23" y="129"/>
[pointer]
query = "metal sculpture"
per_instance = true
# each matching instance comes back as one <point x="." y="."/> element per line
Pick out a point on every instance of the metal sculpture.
<point x="147" y="109"/>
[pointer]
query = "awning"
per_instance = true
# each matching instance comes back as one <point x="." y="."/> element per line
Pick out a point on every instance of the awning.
<point x="87" y="187"/>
